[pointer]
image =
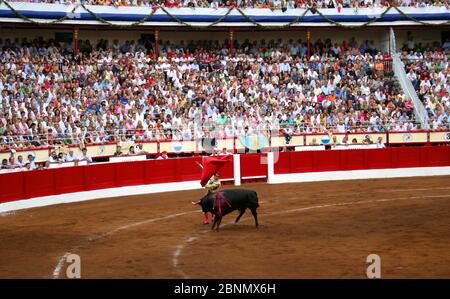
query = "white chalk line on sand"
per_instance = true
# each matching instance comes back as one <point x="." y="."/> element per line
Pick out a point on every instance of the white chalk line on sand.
<point x="61" y="260"/>
<point x="180" y="247"/>
<point x="337" y="194"/>
<point x="355" y="203"/>
<point x="128" y="226"/>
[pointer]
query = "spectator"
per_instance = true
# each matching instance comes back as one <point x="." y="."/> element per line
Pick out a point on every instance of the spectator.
<point x="85" y="156"/>
<point x="163" y="156"/>
<point x="30" y="165"/>
<point x="5" y="164"/>
<point x="20" y="163"/>
<point x="344" y="140"/>
<point x="334" y="141"/>
<point x="367" y="140"/>
<point x="138" y="148"/>
<point x="131" y="151"/>
<point x="118" y="151"/>
<point x="380" y="143"/>
<point x="54" y="158"/>
<point x="446" y="45"/>
<point x="12" y="162"/>
<point x="314" y="142"/>
<point x="224" y="152"/>
<point x="71" y="157"/>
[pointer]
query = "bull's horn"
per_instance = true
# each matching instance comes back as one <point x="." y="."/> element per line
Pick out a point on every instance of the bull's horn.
<point x="196" y="203"/>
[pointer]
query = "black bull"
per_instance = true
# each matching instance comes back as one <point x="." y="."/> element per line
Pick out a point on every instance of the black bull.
<point x="228" y="201"/>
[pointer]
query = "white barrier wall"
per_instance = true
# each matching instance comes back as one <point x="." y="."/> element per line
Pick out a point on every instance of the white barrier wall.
<point x="127" y="158"/>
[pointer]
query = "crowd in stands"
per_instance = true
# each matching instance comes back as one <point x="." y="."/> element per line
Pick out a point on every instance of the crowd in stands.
<point x="429" y="72"/>
<point x="197" y="89"/>
<point x="16" y="162"/>
<point x="287" y="4"/>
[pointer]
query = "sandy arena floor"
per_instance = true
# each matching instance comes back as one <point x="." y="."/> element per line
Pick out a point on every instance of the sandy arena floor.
<point x="309" y="230"/>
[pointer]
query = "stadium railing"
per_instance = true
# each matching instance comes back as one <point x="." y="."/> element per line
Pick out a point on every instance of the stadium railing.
<point x="244" y="144"/>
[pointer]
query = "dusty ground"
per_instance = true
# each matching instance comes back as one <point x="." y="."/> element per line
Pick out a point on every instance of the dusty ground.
<point x="310" y="230"/>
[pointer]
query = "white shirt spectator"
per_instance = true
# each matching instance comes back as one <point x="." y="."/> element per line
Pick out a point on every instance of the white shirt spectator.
<point x="86" y="158"/>
<point x="70" y="157"/>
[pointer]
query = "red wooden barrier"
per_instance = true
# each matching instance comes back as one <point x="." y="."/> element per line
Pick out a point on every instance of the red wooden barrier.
<point x="378" y="159"/>
<point x="28" y="184"/>
<point x="39" y="183"/>
<point x="130" y="173"/>
<point x="12" y="186"/>
<point x="252" y="165"/>
<point x="335" y="160"/>
<point x="69" y="179"/>
<point x="99" y="176"/>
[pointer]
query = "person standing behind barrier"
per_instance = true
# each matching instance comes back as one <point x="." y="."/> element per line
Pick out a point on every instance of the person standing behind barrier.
<point x="71" y="157"/>
<point x="380" y="143"/>
<point x="20" y="163"/>
<point x="131" y="151"/>
<point x="85" y="156"/>
<point x="32" y="165"/>
<point x="118" y="152"/>
<point x="163" y="156"/>
<point x="12" y="162"/>
<point x="5" y="164"/>
<point x="344" y="140"/>
<point x="54" y="158"/>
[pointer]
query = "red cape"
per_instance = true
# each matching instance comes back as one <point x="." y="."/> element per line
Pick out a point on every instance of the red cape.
<point x="211" y="165"/>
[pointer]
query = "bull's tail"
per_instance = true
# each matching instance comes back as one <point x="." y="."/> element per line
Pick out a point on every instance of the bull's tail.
<point x="253" y="205"/>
